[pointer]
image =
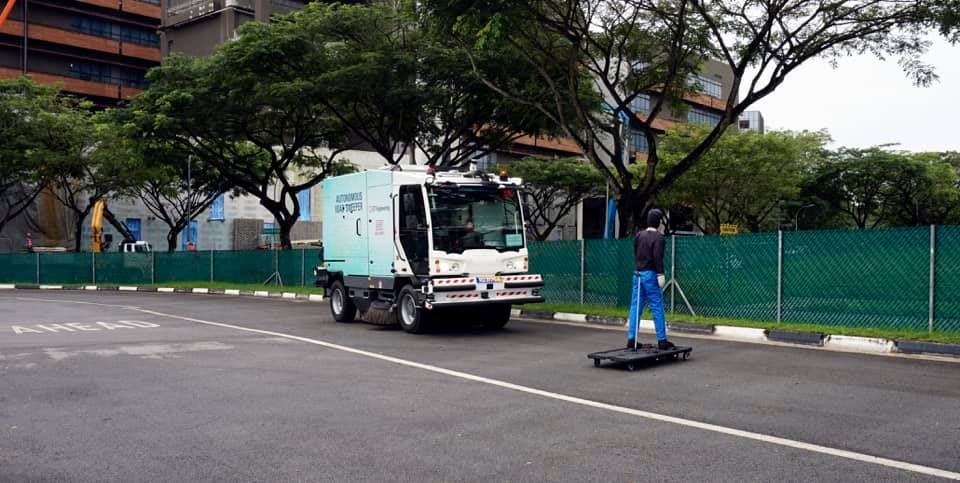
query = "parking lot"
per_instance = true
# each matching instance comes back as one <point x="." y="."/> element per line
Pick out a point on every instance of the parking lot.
<point x="171" y="387"/>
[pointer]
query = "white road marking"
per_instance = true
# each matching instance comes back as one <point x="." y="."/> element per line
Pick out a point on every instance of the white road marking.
<point x="764" y="438"/>
<point x="143" y="351"/>
<point x="79" y="327"/>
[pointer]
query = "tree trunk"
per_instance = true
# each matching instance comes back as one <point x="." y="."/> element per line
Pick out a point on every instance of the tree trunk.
<point x="172" y="239"/>
<point x="78" y="234"/>
<point x="627" y="214"/>
<point x="286" y="225"/>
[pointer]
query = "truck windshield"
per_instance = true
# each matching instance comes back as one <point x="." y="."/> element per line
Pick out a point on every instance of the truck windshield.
<point x="472" y="217"/>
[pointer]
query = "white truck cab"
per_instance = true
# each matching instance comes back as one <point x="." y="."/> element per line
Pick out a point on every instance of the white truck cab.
<point x="136" y="247"/>
<point x="415" y="242"/>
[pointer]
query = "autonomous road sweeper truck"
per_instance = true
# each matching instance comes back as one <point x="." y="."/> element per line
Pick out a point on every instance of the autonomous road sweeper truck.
<point x="418" y="247"/>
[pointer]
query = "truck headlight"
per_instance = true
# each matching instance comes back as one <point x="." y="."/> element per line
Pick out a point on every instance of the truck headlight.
<point x="511" y="265"/>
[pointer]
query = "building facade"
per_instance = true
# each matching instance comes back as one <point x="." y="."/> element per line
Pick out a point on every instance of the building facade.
<point x="98" y="49"/>
<point x="197" y="27"/>
<point x="752" y="121"/>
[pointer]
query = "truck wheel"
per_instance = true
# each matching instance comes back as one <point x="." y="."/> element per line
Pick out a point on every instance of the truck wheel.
<point x="340" y="304"/>
<point x="410" y="317"/>
<point x="497" y="316"/>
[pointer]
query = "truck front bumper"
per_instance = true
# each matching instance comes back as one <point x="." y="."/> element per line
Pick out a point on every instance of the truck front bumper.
<point x="508" y="289"/>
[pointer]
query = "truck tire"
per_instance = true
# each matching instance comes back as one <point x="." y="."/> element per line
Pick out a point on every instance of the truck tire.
<point x="340" y="304"/>
<point x="412" y="319"/>
<point x="497" y="316"/>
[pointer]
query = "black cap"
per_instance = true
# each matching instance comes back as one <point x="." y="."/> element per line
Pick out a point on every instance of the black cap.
<point x="654" y="217"/>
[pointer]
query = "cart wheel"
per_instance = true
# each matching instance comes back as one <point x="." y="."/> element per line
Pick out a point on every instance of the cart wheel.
<point x="631" y="367"/>
<point x="596" y="363"/>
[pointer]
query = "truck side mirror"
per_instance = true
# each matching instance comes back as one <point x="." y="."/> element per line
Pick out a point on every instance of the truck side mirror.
<point x="320" y="255"/>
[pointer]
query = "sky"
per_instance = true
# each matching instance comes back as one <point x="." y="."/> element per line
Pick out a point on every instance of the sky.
<point x="866" y="102"/>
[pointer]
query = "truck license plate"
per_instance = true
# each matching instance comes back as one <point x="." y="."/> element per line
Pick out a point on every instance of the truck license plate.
<point x="482" y="280"/>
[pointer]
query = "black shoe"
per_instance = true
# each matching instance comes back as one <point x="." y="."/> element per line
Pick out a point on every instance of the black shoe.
<point x="665" y="345"/>
<point x="631" y="343"/>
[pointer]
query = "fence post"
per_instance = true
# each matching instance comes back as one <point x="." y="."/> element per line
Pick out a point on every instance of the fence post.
<point x="583" y="258"/>
<point x="933" y="278"/>
<point x="303" y="267"/>
<point x="153" y="268"/>
<point x="93" y="267"/>
<point x="779" y="275"/>
<point x="211" y="266"/>
<point x="673" y="271"/>
<point x="38" y="267"/>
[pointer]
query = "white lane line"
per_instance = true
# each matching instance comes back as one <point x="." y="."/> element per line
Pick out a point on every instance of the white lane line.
<point x="790" y="443"/>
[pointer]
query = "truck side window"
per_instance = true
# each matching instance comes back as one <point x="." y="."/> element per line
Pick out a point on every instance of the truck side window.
<point x="412" y="221"/>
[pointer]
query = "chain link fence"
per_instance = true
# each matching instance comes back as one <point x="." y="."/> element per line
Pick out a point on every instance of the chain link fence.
<point x="902" y="278"/>
<point x="248" y="267"/>
<point x="898" y="278"/>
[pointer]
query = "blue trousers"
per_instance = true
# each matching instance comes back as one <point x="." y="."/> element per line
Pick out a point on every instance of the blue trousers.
<point x="646" y="291"/>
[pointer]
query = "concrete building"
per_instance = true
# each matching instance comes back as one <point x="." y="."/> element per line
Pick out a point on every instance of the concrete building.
<point x="99" y="49"/>
<point x="197" y="27"/>
<point x="751" y="121"/>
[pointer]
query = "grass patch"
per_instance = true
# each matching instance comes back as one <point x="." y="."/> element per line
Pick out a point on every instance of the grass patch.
<point x="240" y="286"/>
<point x="607" y="311"/>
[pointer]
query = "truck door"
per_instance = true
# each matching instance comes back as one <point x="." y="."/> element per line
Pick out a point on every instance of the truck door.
<point x="412" y="227"/>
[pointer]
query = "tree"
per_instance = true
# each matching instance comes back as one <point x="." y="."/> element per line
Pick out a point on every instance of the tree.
<point x="553" y="187"/>
<point x="27" y="113"/>
<point x="387" y="77"/>
<point x="251" y="112"/>
<point x="859" y="184"/>
<point x="174" y="187"/>
<point x="628" y="48"/>
<point x="926" y="190"/>
<point x="90" y="165"/>
<point x="744" y="178"/>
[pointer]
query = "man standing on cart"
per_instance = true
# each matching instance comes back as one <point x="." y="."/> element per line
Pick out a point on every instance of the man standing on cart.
<point x="648" y="280"/>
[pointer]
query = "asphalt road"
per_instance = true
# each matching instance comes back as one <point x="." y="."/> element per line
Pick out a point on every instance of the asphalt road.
<point x="146" y="387"/>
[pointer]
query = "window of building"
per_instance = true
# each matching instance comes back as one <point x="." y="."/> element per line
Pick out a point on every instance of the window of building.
<point x="744" y="124"/>
<point x="706" y="85"/>
<point x="216" y="209"/>
<point x="93" y="26"/>
<point x="91" y="71"/>
<point x="189" y="235"/>
<point x="123" y="33"/>
<point x="702" y="116"/>
<point x="638" y="143"/>
<point x="133" y="224"/>
<point x="304" y="198"/>
<point x="640" y="104"/>
<point x="136" y="35"/>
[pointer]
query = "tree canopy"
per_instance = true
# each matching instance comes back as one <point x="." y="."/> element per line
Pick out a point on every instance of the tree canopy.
<point x="745" y="176"/>
<point x="552" y="188"/>
<point x="625" y="49"/>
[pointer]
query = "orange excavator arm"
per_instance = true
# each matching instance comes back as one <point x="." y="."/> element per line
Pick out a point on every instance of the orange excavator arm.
<point x="6" y="11"/>
<point x="96" y="226"/>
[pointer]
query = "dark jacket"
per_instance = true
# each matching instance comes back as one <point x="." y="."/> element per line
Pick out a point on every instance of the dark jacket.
<point x="648" y="251"/>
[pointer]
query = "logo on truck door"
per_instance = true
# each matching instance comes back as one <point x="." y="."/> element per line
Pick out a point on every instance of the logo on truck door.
<point x="349" y="203"/>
